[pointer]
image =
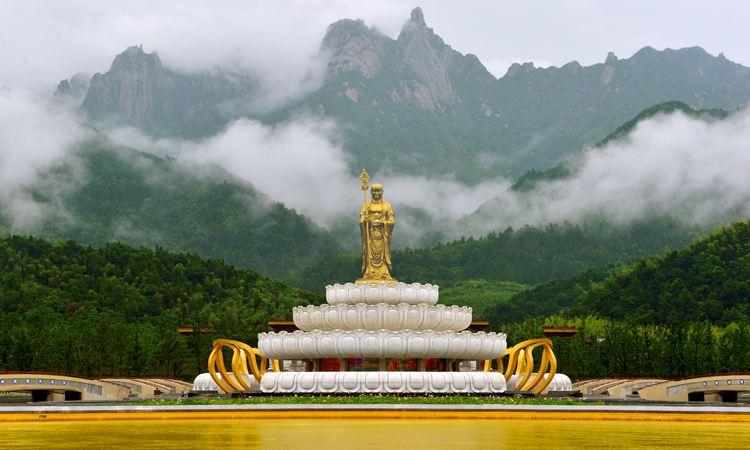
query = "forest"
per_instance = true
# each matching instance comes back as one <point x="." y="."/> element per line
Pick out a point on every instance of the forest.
<point x="116" y="310"/>
<point x="525" y="255"/>
<point x="709" y="280"/>
<point x="605" y="348"/>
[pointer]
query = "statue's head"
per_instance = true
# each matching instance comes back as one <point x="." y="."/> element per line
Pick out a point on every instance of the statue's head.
<point x="376" y="191"/>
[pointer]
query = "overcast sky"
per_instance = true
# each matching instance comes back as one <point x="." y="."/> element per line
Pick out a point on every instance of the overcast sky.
<point x="42" y="42"/>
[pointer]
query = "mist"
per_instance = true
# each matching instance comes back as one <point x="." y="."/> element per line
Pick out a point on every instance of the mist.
<point x="691" y="169"/>
<point x="672" y="164"/>
<point x="35" y="136"/>
<point x="42" y="42"/>
<point x="688" y="168"/>
<point x="302" y="163"/>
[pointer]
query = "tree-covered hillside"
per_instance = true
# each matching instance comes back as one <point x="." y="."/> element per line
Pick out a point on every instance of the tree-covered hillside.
<point x="116" y="310"/>
<point x="605" y="348"/>
<point x="121" y="194"/>
<point x="527" y="255"/>
<point x="482" y="296"/>
<point x="706" y="281"/>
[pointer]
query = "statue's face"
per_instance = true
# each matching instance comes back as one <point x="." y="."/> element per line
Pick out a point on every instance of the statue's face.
<point x="377" y="193"/>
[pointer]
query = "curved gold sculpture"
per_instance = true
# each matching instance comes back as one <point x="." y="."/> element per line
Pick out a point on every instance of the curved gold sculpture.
<point x="241" y="354"/>
<point x="521" y="364"/>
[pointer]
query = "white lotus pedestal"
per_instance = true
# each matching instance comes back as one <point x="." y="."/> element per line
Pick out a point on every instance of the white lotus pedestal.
<point x="382" y="338"/>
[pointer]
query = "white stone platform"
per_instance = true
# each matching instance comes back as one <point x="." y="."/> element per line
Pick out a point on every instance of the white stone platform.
<point x="382" y="344"/>
<point x="382" y="317"/>
<point x="383" y="382"/>
<point x="389" y="293"/>
<point x="382" y="320"/>
<point x="204" y="382"/>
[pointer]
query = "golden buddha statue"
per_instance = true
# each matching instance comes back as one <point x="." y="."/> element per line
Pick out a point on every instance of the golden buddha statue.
<point x="376" y="222"/>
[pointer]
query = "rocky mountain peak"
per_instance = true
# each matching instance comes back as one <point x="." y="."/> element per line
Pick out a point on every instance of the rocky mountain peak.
<point x="611" y="58"/>
<point x="645" y="53"/>
<point x="138" y="90"/>
<point x="73" y="88"/>
<point x="516" y="69"/>
<point x="63" y="88"/>
<point x="134" y="58"/>
<point x="417" y="25"/>
<point x="424" y="70"/>
<point x="342" y="31"/>
<point x="423" y="54"/>
<point x="417" y="16"/>
<point x="355" y="48"/>
<point x="132" y="87"/>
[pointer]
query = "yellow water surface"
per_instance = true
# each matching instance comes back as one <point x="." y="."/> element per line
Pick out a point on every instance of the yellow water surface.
<point x="323" y="434"/>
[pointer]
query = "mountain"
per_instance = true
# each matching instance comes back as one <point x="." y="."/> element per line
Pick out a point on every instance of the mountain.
<point x="118" y="193"/>
<point x="415" y="105"/>
<point x="705" y="281"/>
<point x="116" y="310"/>
<point x="73" y="89"/>
<point x="434" y="109"/>
<point x="143" y="199"/>
<point x="528" y="181"/>
<point x="485" y="215"/>
<point x="138" y="90"/>
<point x="405" y="103"/>
<point x="575" y="106"/>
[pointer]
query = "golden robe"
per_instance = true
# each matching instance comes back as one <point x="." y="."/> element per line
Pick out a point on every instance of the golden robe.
<point x="376" y="221"/>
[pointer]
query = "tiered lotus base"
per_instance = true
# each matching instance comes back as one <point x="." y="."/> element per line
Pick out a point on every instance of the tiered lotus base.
<point x="386" y="326"/>
<point x="383" y="382"/>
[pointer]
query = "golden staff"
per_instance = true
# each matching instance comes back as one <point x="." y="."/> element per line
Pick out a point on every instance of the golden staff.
<point x="364" y="183"/>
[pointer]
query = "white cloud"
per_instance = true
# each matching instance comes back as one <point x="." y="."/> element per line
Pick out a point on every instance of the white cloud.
<point x="671" y="164"/>
<point x="296" y="163"/>
<point x="33" y="137"/>
<point x="42" y="42"/>
<point x="301" y="164"/>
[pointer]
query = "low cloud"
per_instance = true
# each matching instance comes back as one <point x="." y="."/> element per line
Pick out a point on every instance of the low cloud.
<point x="34" y="136"/>
<point x="302" y="164"/>
<point x="44" y="42"/>
<point x="671" y="164"/>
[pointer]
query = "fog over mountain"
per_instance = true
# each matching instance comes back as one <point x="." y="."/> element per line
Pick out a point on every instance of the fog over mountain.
<point x="34" y="136"/>
<point x="671" y="164"/>
<point x="47" y="41"/>
<point x="414" y="105"/>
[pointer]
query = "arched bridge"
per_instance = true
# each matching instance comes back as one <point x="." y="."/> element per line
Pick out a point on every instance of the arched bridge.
<point x="55" y="387"/>
<point x="712" y="388"/>
<point x="45" y="387"/>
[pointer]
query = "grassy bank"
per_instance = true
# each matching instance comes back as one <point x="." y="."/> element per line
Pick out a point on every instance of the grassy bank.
<point x="365" y="399"/>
